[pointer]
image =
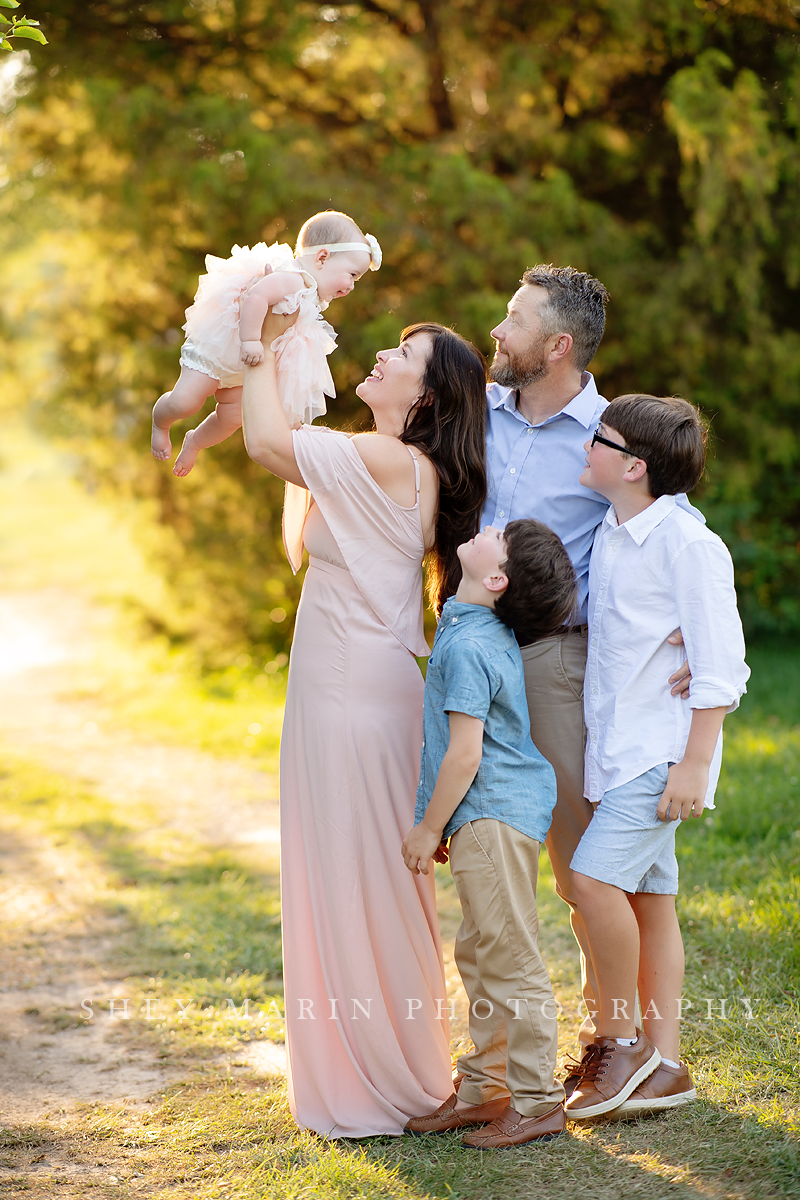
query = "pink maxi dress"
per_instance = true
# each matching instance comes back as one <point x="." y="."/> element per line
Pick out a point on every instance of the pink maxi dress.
<point x="366" y="1016"/>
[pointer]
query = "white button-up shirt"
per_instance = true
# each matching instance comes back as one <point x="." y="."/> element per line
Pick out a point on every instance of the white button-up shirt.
<point x="660" y="570"/>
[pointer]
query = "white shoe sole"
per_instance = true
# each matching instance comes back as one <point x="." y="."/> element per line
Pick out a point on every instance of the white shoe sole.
<point x="613" y="1102"/>
<point x="631" y="1107"/>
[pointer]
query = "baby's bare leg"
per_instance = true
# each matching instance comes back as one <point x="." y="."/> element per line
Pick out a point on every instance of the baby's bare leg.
<point x="186" y="398"/>
<point x="225" y="420"/>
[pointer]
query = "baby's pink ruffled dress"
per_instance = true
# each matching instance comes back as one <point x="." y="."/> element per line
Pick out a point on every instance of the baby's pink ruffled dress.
<point x="301" y="353"/>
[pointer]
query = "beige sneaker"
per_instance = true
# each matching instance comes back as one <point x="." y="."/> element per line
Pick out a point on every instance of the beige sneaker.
<point x="667" y="1087"/>
<point x="609" y="1073"/>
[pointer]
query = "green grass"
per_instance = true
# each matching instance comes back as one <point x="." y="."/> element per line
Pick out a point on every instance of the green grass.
<point x="221" y="1139"/>
<point x="166" y="896"/>
<point x="155" y="691"/>
<point x="188" y="920"/>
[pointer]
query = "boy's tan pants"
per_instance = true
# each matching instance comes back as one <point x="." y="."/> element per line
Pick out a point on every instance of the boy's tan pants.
<point x="512" y="1018"/>
<point x="554" y="670"/>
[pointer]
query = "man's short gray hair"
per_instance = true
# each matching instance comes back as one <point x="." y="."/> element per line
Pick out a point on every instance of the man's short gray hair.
<point x="577" y="304"/>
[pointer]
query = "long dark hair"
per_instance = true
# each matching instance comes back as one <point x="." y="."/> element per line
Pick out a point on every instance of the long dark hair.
<point x="448" y="423"/>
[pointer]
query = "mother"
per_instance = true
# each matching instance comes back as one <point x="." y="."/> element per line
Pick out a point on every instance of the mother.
<point x="366" y="1026"/>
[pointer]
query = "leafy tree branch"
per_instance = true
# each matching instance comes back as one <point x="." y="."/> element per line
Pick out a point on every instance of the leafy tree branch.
<point x="19" y="27"/>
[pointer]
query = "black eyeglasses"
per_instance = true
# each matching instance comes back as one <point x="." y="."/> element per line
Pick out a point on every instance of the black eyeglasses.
<point x="613" y="445"/>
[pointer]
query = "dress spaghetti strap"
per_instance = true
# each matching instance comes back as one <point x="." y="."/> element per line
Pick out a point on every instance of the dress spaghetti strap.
<point x="416" y="475"/>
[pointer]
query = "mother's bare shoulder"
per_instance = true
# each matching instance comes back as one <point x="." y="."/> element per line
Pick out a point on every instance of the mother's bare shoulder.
<point x="389" y="463"/>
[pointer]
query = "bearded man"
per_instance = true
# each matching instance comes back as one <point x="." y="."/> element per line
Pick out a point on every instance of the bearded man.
<point x="543" y="406"/>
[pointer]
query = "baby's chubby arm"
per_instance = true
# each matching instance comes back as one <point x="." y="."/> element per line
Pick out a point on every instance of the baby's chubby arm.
<point x="274" y="287"/>
<point x="459" y="768"/>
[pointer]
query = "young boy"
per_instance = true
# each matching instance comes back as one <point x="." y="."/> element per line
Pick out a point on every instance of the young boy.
<point x="485" y="786"/>
<point x="651" y="759"/>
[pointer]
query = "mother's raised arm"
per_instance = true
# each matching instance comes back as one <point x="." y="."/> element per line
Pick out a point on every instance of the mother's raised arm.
<point x="266" y="428"/>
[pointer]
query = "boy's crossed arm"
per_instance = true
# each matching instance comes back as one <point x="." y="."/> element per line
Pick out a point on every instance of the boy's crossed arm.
<point x="459" y="768"/>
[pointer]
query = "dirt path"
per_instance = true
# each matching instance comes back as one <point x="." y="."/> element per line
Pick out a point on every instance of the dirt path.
<point x="51" y="642"/>
<point x="47" y="639"/>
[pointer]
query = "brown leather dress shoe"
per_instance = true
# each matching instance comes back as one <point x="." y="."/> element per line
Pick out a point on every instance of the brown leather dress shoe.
<point x="511" y="1129"/>
<point x="446" y="1117"/>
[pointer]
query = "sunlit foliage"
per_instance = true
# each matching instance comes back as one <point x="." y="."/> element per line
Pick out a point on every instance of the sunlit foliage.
<point x="17" y="25"/>
<point x="653" y="144"/>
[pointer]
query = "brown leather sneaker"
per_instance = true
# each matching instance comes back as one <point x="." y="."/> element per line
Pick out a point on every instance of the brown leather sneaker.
<point x="610" y="1073"/>
<point x="446" y="1117"/>
<point x="667" y="1087"/>
<point x="511" y="1129"/>
<point x="573" y="1076"/>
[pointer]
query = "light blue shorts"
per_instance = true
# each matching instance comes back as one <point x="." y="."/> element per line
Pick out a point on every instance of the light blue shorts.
<point x="625" y="844"/>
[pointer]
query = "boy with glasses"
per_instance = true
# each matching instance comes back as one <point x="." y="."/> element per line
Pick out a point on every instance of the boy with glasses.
<point x="651" y="760"/>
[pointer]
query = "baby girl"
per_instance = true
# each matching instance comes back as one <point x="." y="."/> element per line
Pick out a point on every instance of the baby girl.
<point x="223" y="329"/>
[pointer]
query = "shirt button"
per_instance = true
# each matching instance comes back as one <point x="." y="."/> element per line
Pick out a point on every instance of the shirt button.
<point x="530" y="429"/>
<point x="513" y="471"/>
<point x="594" y="691"/>
<point x="455" y="620"/>
<point x="502" y="512"/>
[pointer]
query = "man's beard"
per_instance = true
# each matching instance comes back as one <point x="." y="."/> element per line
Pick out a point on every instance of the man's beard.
<point x="519" y="372"/>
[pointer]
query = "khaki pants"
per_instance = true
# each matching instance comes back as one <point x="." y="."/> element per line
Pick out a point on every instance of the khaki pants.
<point x="554" y="670"/>
<point x="512" y="1018"/>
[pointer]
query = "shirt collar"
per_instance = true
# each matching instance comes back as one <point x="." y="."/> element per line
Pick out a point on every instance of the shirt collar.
<point x="581" y="408"/>
<point x="584" y="406"/>
<point x="643" y="524"/>
<point x="456" y="611"/>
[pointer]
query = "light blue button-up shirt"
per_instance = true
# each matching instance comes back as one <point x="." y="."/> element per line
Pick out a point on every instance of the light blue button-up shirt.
<point x="533" y="471"/>
<point x="475" y="668"/>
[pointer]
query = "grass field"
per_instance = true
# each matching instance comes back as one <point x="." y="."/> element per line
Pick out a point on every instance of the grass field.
<point x="176" y="918"/>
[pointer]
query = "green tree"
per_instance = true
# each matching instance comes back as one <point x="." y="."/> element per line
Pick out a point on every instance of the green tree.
<point x="652" y="144"/>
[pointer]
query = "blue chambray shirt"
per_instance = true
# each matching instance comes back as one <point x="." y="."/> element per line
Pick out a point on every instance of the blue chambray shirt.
<point x="475" y="668"/>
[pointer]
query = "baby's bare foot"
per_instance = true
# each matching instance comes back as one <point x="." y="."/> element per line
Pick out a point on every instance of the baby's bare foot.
<point x="160" y="444"/>
<point x="187" y="457"/>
